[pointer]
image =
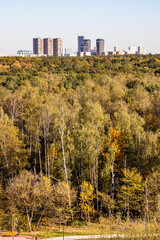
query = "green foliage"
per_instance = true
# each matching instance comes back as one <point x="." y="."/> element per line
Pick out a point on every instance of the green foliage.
<point x="23" y="224"/>
<point x="130" y="193"/>
<point x="77" y="223"/>
<point x="82" y="120"/>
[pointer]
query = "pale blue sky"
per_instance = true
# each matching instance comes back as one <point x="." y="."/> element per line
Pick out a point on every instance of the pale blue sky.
<point x="119" y="22"/>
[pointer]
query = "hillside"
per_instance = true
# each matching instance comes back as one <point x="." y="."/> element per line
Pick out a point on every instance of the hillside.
<point x="90" y="126"/>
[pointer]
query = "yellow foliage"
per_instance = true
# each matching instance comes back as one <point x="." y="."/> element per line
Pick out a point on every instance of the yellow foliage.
<point x="117" y="146"/>
<point x="86" y="198"/>
<point x="16" y="64"/>
<point x="156" y="60"/>
<point x="52" y="152"/>
<point x="47" y="182"/>
<point x="115" y="153"/>
<point x="4" y="67"/>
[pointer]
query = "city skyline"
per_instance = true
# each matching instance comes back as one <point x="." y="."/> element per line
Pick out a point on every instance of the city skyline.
<point x="54" y="47"/>
<point x="119" y="22"/>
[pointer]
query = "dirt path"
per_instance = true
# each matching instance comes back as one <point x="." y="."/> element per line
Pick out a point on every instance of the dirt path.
<point x="109" y="236"/>
<point x="112" y="236"/>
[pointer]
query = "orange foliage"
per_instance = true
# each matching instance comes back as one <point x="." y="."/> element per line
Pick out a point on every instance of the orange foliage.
<point x="17" y="64"/>
<point x="117" y="146"/>
<point x="4" y="67"/>
<point x="117" y="140"/>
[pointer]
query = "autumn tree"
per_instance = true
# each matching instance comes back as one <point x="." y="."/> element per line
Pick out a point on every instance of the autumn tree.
<point x="86" y="199"/>
<point x="13" y="106"/>
<point x="30" y="194"/>
<point x="107" y="203"/>
<point x="130" y="193"/>
<point x="12" y="152"/>
<point x="61" y="202"/>
<point x="152" y="197"/>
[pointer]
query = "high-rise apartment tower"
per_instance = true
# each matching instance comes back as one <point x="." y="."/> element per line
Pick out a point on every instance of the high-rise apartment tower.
<point x="86" y="46"/>
<point x="48" y="46"/>
<point x="100" y="46"/>
<point x="57" y="47"/>
<point x="38" y="46"/>
<point x="80" y="42"/>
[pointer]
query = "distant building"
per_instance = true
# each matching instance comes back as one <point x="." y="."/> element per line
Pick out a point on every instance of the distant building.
<point x="117" y="49"/>
<point x="132" y="50"/>
<point x="141" y="50"/>
<point x="80" y="54"/>
<point x="68" y="51"/>
<point x="70" y="54"/>
<point x="48" y="46"/>
<point x="24" y="53"/>
<point x="100" y="46"/>
<point x="86" y="46"/>
<point x="87" y="53"/>
<point x="80" y="42"/>
<point x="38" y="46"/>
<point x="120" y="53"/>
<point x="111" y="53"/>
<point x="57" y="47"/>
<point x="94" y="52"/>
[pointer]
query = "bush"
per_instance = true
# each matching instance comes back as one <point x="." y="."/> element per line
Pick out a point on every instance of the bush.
<point x="77" y="223"/>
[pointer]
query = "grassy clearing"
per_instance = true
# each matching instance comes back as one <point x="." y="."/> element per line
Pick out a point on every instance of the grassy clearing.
<point x="105" y="227"/>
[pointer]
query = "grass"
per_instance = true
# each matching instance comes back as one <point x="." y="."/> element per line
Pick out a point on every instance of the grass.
<point x="105" y="227"/>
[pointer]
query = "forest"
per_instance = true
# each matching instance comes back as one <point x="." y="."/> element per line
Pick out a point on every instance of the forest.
<point x="80" y="138"/>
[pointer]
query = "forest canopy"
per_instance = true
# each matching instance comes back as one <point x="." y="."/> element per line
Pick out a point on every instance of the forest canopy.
<point x="87" y="127"/>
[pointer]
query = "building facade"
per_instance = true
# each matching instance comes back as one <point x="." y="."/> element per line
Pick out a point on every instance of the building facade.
<point x="100" y="46"/>
<point x="94" y="51"/>
<point x="117" y="49"/>
<point x="48" y="46"/>
<point x="80" y="42"/>
<point x="38" y="46"/>
<point x="141" y="50"/>
<point x="132" y="50"/>
<point x="24" y="53"/>
<point x="57" y="47"/>
<point x="86" y="46"/>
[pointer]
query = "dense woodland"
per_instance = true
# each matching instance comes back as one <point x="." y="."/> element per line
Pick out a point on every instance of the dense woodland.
<point x="80" y="138"/>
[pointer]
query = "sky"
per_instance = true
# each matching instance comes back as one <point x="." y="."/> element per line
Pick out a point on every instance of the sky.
<point x="119" y="22"/>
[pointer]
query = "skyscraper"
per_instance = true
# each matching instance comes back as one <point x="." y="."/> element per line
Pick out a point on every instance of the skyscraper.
<point x="86" y="46"/>
<point x="80" y="42"/>
<point x="100" y="46"/>
<point x="48" y="46"/>
<point x="57" y="47"/>
<point x="37" y="46"/>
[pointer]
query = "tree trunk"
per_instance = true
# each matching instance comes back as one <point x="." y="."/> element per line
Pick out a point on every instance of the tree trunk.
<point x="112" y="181"/>
<point x="147" y="208"/>
<point x="61" y="132"/>
<point x="125" y="166"/>
<point x="29" y="222"/>
<point x="139" y="144"/>
<point x="64" y="162"/>
<point x="128" y="211"/>
<point x="39" y="152"/>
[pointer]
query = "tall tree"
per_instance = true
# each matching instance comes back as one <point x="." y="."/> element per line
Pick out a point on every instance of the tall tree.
<point x="12" y="152"/>
<point x="130" y="193"/>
